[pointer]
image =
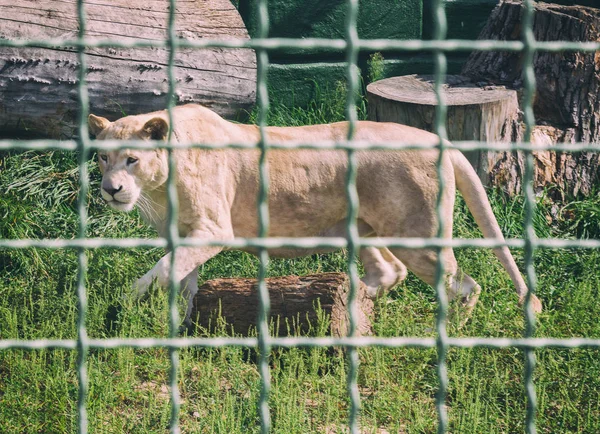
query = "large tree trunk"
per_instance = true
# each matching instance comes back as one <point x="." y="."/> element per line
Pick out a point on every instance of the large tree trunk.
<point x="475" y="112"/>
<point x="567" y="83"/>
<point x="562" y="174"/>
<point x="293" y="304"/>
<point x="38" y="86"/>
<point x="567" y="91"/>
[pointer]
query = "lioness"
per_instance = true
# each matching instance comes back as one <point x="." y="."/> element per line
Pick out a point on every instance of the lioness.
<point x="217" y="192"/>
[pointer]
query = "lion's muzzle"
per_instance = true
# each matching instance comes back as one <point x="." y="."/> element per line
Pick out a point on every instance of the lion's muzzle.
<point x="111" y="189"/>
<point x="118" y="194"/>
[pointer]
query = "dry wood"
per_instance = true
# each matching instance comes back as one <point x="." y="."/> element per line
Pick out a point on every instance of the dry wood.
<point x="567" y="97"/>
<point x="482" y="113"/>
<point x="293" y="301"/>
<point x="561" y="174"/>
<point x="38" y="86"/>
<point x="567" y="83"/>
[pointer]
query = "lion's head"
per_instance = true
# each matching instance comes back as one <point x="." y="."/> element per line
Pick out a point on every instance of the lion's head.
<point x="127" y="173"/>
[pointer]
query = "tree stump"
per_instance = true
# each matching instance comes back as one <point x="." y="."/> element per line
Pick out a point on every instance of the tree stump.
<point x="475" y="112"/>
<point x="38" y="86"/>
<point x="567" y="83"/>
<point x="560" y="174"/>
<point x="293" y="302"/>
<point x="567" y="100"/>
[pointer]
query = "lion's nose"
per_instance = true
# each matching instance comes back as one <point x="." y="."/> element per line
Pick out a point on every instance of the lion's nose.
<point x="111" y="190"/>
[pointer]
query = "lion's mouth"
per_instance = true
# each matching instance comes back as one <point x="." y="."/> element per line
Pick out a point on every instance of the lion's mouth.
<point x="121" y="206"/>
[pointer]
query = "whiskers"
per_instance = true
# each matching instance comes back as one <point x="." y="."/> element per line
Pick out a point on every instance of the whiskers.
<point x="150" y="209"/>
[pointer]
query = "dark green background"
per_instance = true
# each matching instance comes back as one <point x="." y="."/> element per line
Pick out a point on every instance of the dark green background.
<point x="296" y="76"/>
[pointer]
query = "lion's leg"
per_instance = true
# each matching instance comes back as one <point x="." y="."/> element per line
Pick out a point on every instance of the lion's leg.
<point x="382" y="270"/>
<point x="466" y="288"/>
<point x="187" y="260"/>
<point x="398" y="266"/>
<point x="189" y="289"/>
<point x="423" y="262"/>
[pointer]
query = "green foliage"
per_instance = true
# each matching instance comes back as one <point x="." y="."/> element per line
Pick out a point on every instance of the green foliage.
<point x="582" y="217"/>
<point x="327" y="106"/>
<point x="375" y="67"/>
<point x="219" y="388"/>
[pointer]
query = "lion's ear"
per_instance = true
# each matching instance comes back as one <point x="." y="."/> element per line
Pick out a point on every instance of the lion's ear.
<point x="97" y="124"/>
<point x="156" y="129"/>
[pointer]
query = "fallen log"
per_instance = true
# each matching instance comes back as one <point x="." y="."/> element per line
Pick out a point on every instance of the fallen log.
<point x="294" y="300"/>
<point x="38" y="86"/>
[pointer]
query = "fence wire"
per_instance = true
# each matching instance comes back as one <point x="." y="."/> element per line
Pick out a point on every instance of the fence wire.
<point x="351" y="45"/>
<point x="439" y="34"/>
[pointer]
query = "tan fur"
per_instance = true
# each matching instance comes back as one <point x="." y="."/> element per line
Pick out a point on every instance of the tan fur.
<point x="217" y="192"/>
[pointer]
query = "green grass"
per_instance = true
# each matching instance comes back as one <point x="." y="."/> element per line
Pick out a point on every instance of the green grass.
<point x="219" y="388"/>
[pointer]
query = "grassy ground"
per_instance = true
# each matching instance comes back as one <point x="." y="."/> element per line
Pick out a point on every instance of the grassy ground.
<point x="128" y="388"/>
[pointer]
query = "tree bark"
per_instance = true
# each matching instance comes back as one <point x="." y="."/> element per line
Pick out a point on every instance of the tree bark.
<point x="233" y="304"/>
<point x="38" y="86"/>
<point x="560" y="174"/>
<point x="567" y="96"/>
<point x="475" y="112"/>
<point x="567" y="83"/>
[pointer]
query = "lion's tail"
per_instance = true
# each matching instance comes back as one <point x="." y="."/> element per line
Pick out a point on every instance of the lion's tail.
<point x="470" y="186"/>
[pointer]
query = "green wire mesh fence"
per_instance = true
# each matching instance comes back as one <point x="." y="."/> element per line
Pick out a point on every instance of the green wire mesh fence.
<point x="351" y="45"/>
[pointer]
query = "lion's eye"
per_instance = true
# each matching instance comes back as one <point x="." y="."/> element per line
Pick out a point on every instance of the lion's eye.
<point x="131" y="160"/>
<point x="104" y="157"/>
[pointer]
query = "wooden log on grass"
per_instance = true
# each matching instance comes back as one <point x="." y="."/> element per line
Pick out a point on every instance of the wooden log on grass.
<point x="233" y="303"/>
<point x="38" y="86"/>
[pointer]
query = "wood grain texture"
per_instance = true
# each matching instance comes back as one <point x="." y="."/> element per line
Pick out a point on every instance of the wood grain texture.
<point x="560" y="175"/>
<point x="38" y="86"/>
<point x="567" y="97"/>
<point x="293" y="301"/>
<point x="567" y="83"/>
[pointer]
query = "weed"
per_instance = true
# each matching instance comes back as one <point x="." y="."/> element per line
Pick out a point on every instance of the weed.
<point x="329" y="105"/>
<point x="375" y="67"/>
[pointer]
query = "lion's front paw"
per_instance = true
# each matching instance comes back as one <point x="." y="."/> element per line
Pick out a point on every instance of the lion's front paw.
<point x="374" y="292"/>
<point x="141" y="286"/>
